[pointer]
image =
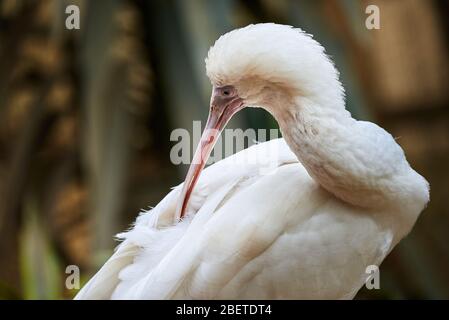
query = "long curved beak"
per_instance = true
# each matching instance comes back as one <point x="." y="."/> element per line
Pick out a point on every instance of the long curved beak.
<point x="221" y="111"/>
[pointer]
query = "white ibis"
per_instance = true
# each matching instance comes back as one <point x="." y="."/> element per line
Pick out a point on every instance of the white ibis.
<point x="339" y="197"/>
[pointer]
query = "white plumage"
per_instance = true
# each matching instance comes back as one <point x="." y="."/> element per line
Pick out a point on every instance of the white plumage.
<point x="337" y="196"/>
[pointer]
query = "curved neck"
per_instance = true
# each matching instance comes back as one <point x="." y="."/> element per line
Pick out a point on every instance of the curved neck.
<point x="321" y="136"/>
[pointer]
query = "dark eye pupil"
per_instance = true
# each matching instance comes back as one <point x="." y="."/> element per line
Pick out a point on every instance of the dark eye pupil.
<point x="226" y="93"/>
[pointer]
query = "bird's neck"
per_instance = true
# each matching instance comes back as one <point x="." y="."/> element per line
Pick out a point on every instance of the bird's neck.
<point x="320" y="134"/>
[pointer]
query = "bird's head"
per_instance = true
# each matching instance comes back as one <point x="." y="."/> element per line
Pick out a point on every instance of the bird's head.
<point x="263" y="65"/>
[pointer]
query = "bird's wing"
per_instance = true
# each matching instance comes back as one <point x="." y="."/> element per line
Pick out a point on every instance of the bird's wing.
<point x="325" y="254"/>
<point x="104" y="282"/>
<point x="280" y="236"/>
<point x="154" y="230"/>
<point x="258" y="160"/>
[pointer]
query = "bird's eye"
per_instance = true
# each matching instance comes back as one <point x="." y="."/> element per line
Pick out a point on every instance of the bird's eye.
<point x="226" y="91"/>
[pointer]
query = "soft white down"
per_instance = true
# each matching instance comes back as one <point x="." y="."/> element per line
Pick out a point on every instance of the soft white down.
<point x="338" y="197"/>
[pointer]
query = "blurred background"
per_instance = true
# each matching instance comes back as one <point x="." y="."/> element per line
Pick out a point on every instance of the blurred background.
<point x="86" y="116"/>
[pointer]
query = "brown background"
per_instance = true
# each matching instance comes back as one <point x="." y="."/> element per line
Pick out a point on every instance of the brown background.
<point x="86" y="116"/>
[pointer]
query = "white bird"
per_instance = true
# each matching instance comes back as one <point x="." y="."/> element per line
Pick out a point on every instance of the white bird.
<point x="339" y="193"/>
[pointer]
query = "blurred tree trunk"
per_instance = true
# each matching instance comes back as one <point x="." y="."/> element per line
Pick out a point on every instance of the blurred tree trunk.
<point x="105" y="151"/>
<point x="18" y="24"/>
